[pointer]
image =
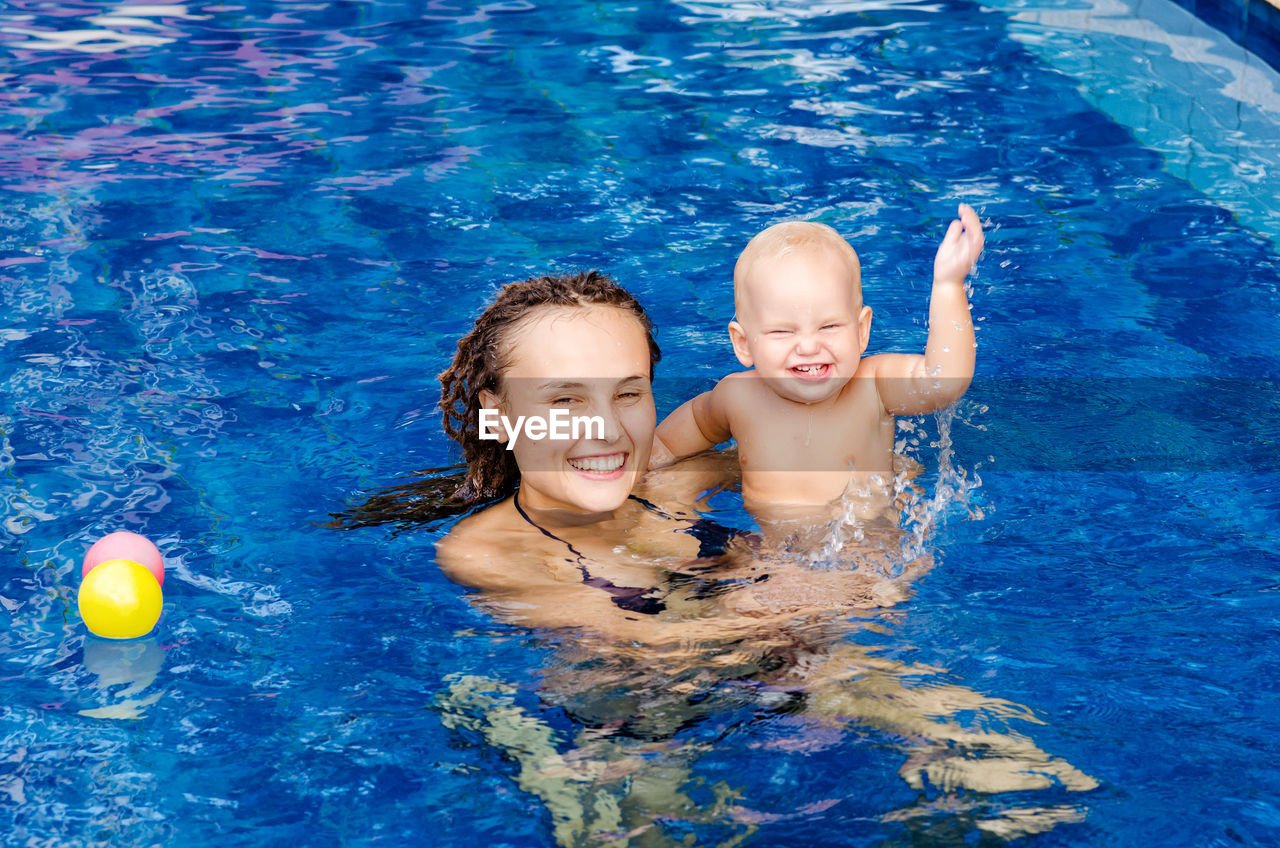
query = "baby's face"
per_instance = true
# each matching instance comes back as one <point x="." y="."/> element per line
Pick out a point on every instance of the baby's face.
<point x="802" y="324"/>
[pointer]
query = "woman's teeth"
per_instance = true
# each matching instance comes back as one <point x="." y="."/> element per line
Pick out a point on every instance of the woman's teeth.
<point x="612" y="462"/>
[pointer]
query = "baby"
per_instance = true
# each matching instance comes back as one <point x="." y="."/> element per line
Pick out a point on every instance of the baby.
<point x="813" y="410"/>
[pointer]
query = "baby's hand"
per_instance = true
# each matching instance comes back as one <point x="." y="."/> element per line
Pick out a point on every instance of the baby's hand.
<point x="960" y="247"/>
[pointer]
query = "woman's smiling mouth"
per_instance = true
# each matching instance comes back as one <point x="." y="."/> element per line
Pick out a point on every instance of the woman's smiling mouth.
<point x="602" y="465"/>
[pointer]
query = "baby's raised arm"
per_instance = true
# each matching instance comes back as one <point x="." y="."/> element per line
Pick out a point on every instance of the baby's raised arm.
<point x="911" y="384"/>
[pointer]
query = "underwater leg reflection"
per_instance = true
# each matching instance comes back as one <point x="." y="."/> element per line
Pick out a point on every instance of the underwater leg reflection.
<point x="630" y="773"/>
<point x="605" y="789"/>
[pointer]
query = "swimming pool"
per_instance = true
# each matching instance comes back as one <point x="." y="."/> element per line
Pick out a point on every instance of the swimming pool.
<point x="241" y="239"/>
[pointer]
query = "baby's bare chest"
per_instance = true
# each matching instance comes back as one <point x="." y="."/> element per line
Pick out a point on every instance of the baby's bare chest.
<point x="775" y="435"/>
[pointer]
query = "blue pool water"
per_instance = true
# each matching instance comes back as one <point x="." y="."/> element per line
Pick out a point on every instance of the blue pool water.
<point x="240" y="240"/>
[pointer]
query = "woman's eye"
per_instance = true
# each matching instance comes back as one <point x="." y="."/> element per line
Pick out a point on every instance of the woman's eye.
<point x="631" y="394"/>
<point x="563" y="401"/>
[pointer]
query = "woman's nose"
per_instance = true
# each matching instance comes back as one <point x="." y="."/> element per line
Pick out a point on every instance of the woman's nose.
<point x="612" y="428"/>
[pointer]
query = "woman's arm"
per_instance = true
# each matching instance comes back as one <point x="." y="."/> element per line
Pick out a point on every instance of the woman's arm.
<point x="680" y="489"/>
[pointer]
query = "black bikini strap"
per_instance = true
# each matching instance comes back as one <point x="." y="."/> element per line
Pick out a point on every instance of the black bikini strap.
<point x="651" y="506"/>
<point x="628" y="598"/>
<point x="712" y="537"/>
<point x="516" y="500"/>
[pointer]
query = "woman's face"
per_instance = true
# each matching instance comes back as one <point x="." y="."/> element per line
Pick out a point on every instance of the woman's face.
<point x="591" y="366"/>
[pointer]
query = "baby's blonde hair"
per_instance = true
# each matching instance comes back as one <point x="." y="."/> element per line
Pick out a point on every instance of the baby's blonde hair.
<point x="789" y="237"/>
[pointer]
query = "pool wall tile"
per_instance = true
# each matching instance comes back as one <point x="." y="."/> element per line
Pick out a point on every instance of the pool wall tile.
<point x="1226" y="15"/>
<point x="1253" y="23"/>
<point x="1262" y="30"/>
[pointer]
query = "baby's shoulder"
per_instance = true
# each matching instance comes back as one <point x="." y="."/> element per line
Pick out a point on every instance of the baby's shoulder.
<point x="869" y="366"/>
<point x="739" y="383"/>
<point x="741" y="389"/>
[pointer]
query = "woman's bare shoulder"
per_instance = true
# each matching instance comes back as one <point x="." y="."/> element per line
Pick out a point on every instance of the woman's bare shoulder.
<point x="475" y="536"/>
<point x="477" y="552"/>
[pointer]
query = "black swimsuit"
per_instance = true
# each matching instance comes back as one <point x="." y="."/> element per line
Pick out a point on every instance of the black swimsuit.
<point x="628" y="598"/>
<point x="712" y="540"/>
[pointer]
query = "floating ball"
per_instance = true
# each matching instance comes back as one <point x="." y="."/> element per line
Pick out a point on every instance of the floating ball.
<point x="120" y="599"/>
<point x="125" y="545"/>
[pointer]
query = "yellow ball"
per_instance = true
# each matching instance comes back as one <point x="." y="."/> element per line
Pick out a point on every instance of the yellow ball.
<point x="120" y="599"/>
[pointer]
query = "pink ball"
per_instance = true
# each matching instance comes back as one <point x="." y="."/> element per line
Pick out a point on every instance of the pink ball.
<point x="125" y="545"/>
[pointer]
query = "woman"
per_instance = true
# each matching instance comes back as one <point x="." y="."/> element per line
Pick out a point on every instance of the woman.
<point x="588" y="348"/>
<point x="562" y="534"/>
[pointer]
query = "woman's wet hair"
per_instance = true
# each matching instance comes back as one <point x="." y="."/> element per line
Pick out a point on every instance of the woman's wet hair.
<point x="488" y="473"/>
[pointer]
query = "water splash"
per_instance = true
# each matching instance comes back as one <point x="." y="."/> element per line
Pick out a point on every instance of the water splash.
<point x="867" y="538"/>
<point x="954" y="488"/>
<point x="849" y="529"/>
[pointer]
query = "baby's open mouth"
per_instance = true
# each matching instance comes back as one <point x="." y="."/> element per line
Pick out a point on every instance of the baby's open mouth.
<point x="603" y="464"/>
<point x="811" y="372"/>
